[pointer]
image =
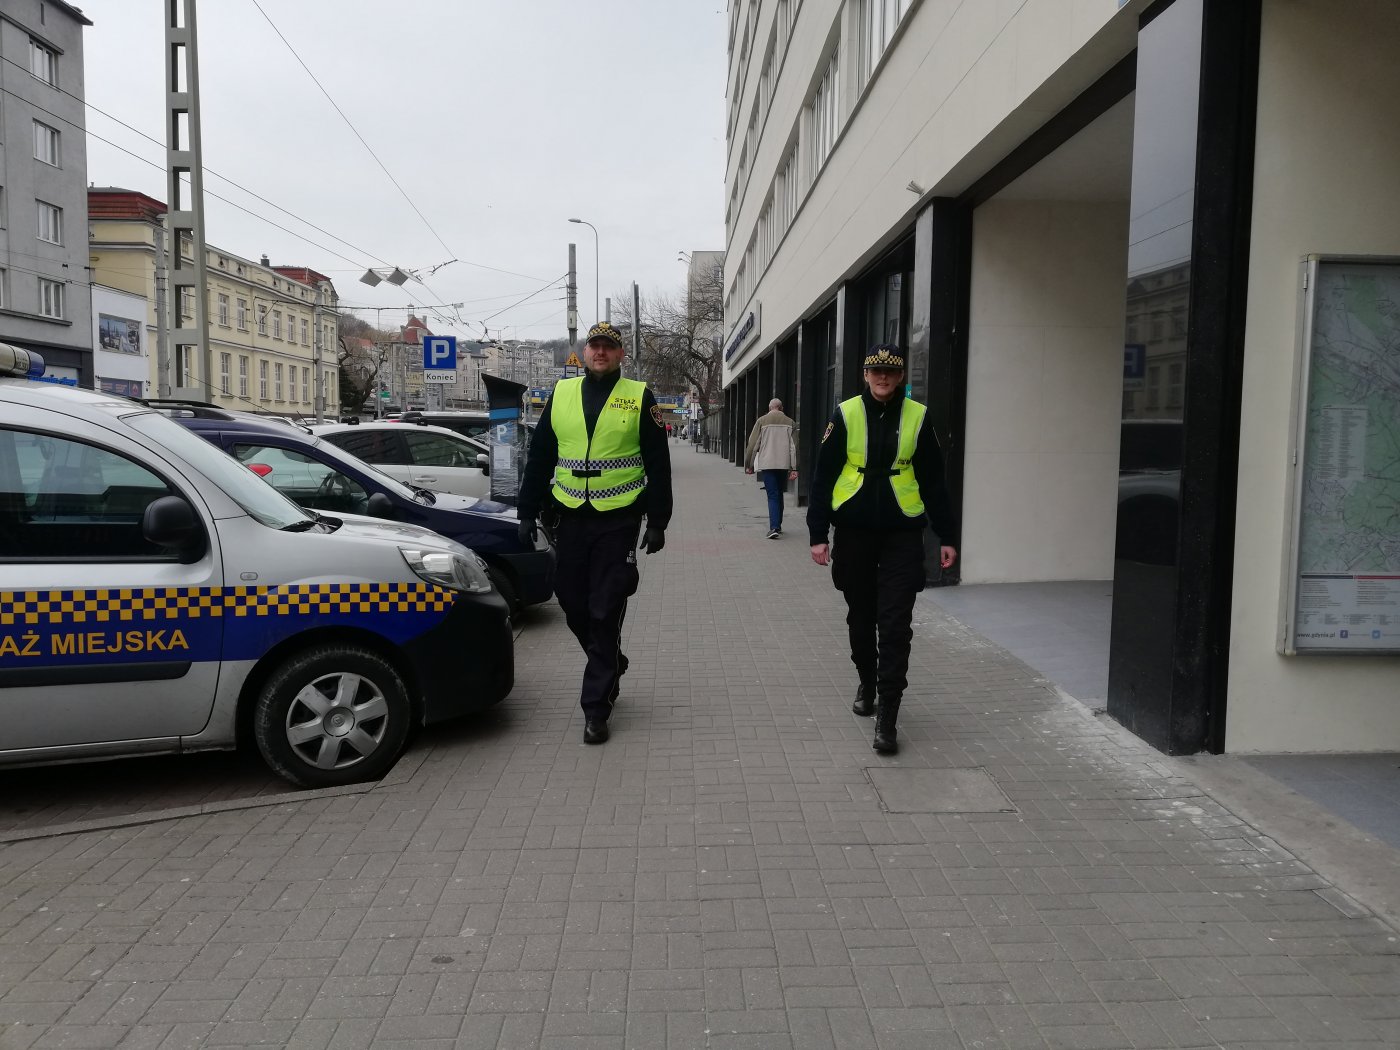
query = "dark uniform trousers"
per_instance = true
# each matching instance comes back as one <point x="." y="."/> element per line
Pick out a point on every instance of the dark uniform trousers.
<point x="595" y="573"/>
<point x="880" y="572"/>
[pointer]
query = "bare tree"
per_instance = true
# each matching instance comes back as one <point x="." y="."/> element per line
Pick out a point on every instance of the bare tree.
<point x="359" y="360"/>
<point x="680" y="337"/>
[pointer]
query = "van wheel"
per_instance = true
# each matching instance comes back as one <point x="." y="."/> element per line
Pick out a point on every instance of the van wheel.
<point x="506" y="589"/>
<point x="335" y="714"/>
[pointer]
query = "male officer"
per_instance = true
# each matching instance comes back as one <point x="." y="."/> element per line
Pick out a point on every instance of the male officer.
<point x="879" y="477"/>
<point x="602" y="441"/>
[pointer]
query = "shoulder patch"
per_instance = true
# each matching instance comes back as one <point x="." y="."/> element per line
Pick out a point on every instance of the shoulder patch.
<point x="829" y="428"/>
<point x="656" y="416"/>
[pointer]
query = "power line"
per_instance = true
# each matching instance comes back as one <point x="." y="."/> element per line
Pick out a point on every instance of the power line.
<point x="352" y="127"/>
<point x="548" y="285"/>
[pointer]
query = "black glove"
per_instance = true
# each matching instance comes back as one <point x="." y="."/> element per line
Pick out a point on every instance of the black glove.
<point x="527" y="531"/>
<point x="653" y="540"/>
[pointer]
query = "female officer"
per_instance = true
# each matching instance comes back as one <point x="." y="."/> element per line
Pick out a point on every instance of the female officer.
<point x="879" y="479"/>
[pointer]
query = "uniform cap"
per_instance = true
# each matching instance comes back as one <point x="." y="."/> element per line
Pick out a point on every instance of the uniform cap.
<point x="885" y="355"/>
<point x="604" y="330"/>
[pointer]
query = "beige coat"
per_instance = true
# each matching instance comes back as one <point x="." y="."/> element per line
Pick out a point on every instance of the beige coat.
<point x="771" y="444"/>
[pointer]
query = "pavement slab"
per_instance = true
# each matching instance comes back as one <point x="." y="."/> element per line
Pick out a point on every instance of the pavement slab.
<point x="725" y="872"/>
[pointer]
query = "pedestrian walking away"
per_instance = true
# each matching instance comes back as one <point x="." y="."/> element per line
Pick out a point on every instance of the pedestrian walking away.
<point x="601" y="441"/>
<point x="771" y="452"/>
<point x="879" y="479"/>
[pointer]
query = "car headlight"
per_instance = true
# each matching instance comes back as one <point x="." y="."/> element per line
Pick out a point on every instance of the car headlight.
<point x="456" y="572"/>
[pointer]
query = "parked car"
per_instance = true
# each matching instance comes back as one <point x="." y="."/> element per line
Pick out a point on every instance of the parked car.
<point x="468" y="424"/>
<point x="156" y="596"/>
<point x="317" y="475"/>
<point x="424" y="456"/>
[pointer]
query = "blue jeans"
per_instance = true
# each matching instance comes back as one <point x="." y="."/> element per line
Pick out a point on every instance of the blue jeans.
<point x="773" y="485"/>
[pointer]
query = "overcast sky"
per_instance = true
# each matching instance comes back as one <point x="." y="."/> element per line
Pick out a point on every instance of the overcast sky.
<point x="499" y="118"/>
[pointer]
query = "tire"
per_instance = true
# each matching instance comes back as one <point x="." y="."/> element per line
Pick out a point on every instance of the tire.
<point x="309" y="739"/>
<point x="506" y="589"/>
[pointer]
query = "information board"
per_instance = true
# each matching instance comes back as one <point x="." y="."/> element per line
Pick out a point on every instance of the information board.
<point x="1344" y="587"/>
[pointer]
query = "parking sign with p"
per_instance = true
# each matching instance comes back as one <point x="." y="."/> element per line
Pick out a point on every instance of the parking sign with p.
<point x="439" y="358"/>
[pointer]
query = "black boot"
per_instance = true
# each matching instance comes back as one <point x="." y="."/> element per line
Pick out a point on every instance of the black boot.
<point x="885" y="717"/>
<point x="865" y="700"/>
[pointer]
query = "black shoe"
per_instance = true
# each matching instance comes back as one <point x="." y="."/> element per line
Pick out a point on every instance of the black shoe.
<point x="773" y="534"/>
<point x="885" y="742"/>
<point x="865" y="700"/>
<point x="595" y="730"/>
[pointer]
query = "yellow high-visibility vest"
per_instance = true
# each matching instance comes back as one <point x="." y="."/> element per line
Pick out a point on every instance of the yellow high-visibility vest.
<point x="605" y="469"/>
<point x="901" y="474"/>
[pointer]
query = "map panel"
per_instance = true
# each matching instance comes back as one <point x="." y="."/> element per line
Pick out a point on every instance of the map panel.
<point x="1349" y="531"/>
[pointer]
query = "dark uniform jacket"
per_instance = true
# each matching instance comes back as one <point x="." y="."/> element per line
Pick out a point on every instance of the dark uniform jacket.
<point x="874" y="506"/>
<point x="655" y="499"/>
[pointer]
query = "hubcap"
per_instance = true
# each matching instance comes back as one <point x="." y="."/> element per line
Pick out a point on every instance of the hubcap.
<point x="338" y="720"/>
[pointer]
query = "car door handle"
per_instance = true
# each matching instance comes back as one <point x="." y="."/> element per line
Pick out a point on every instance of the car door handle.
<point x="426" y="477"/>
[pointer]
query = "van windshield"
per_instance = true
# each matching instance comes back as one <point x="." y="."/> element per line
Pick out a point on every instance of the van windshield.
<point x="262" y="502"/>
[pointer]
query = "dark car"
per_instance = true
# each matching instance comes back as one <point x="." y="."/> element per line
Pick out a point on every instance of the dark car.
<point x="319" y="476"/>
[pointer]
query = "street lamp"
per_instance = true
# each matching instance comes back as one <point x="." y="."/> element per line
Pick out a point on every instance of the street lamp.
<point x="584" y="222"/>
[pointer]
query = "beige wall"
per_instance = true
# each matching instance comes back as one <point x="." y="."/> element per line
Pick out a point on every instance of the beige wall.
<point x="1327" y="165"/>
<point x="963" y="85"/>
<point x="1044" y="390"/>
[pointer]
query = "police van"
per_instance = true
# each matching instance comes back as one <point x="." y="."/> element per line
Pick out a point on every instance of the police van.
<point x="158" y="596"/>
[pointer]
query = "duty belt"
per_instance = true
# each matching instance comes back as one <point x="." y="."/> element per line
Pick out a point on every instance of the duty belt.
<point x="616" y="490"/>
<point x="892" y="472"/>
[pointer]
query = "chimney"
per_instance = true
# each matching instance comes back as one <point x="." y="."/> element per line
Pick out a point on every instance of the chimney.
<point x="266" y="261"/>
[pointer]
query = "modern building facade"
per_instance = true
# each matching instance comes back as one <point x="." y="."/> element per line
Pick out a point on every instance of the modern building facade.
<point x="45" y="301"/>
<point x="1142" y="257"/>
<point x="272" y="329"/>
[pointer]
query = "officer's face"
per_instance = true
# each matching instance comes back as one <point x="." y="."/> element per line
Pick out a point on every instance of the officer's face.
<point x="602" y="356"/>
<point x="884" y="382"/>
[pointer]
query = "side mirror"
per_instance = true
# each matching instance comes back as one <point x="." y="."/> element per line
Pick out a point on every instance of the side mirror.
<point x="484" y="462"/>
<point x="381" y="506"/>
<point x="171" y="522"/>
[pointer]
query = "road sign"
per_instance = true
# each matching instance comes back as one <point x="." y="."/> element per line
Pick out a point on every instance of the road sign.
<point x="439" y="359"/>
<point x="573" y="361"/>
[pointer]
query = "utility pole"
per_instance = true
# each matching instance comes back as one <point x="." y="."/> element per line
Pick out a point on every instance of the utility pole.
<point x="637" y="329"/>
<point x="571" y="291"/>
<point x="162" y="329"/>
<point x="185" y="191"/>
<point x="607" y="309"/>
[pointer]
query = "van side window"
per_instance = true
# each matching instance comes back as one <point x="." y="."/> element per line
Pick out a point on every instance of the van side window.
<point x="71" y="501"/>
<point x="434" y="450"/>
<point x="303" y="479"/>
<point x="372" y="446"/>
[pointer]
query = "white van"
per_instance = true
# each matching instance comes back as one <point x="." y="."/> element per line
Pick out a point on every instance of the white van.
<point x="158" y="596"/>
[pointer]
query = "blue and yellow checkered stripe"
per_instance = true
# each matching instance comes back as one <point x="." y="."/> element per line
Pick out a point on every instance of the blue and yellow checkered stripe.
<point x="128" y="604"/>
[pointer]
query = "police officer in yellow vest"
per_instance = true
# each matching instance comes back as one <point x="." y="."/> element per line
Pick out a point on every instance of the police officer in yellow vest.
<point x="879" y="479"/>
<point x="601" y="441"/>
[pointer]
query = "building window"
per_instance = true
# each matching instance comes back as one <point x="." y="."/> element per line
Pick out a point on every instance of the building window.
<point x="262" y="380"/>
<point x="277" y="324"/>
<point x="262" y="320"/>
<point x="242" y="375"/>
<point x="305" y="332"/>
<point x="1154" y="382"/>
<point x="43" y="62"/>
<point x="878" y="21"/>
<point x="45" y="143"/>
<point x="4" y="280"/>
<point x="822" y="118"/>
<point x="1175" y="388"/>
<point x="223" y="311"/>
<point x="277" y="381"/>
<point x="306" y="385"/>
<point x="243" y="315"/>
<point x="51" y="298"/>
<point x="225" y="363"/>
<point x="50" y="223"/>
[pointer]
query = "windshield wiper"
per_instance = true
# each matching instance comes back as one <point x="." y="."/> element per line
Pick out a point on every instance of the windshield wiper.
<point x="301" y="526"/>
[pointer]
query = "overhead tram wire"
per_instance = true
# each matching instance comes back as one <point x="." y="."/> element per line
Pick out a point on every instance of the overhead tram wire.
<point x="237" y="185"/>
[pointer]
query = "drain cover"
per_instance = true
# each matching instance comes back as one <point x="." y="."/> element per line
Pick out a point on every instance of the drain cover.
<point x="938" y="791"/>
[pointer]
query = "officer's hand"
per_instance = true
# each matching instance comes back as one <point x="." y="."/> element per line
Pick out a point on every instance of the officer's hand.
<point x="527" y="531"/>
<point x="820" y="552"/>
<point x="946" y="556"/>
<point x="792" y="475"/>
<point x="653" y="540"/>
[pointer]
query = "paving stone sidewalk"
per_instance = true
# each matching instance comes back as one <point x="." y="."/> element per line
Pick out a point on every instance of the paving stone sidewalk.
<point x="723" y="873"/>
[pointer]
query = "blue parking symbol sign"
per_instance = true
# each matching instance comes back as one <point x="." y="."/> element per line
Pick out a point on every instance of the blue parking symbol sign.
<point x="439" y="351"/>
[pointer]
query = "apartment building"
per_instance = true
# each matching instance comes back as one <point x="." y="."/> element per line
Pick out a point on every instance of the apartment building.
<point x="1142" y="257"/>
<point x="45" y="302"/>
<point x="272" y="329"/>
